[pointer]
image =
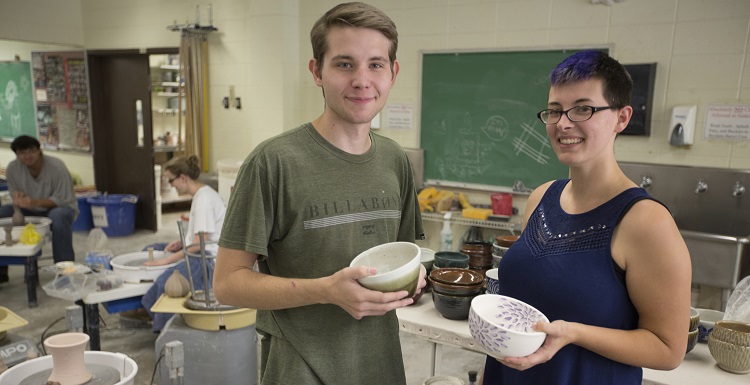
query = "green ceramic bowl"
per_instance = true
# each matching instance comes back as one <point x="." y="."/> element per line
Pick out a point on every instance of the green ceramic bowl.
<point x="398" y="267"/>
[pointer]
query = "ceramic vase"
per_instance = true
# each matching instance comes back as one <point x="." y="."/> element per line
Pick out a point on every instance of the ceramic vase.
<point x="68" y="366"/>
<point x="177" y="285"/>
<point x="18" y="218"/>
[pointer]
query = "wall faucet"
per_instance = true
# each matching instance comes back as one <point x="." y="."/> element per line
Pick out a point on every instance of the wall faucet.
<point x="645" y="182"/>
<point x="701" y="187"/>
<point x="738" y="190"/>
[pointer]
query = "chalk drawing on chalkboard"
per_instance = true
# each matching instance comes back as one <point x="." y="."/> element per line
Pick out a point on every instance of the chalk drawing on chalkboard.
<point x="10" y="113"/>
<point x="532" y="144"/>
<point x="496" y="127"/>
<point x="472" y="147"/>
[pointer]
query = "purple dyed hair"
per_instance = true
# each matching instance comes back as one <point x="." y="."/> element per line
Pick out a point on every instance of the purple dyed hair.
<point x="617" y="86"/>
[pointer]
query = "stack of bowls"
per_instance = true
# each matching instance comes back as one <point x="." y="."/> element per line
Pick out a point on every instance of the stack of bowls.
<point x="695" y="318"/>
<point x="453" y="289"/>
<point x="454" y="259"/>
<point x="500" y="246"/>
<point x="729" y="344"/>
<point x="480" y="255"/>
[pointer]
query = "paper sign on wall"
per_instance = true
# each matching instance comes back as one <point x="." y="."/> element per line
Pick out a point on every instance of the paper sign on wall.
<point x="727" y="122"/>
<point x="400" y="116"/>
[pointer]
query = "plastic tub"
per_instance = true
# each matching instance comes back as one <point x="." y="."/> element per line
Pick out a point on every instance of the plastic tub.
<point x="130" y="266"/>
<point x="124" y="364"/>
<point x="84" y="222"/>
<point x="41" y="225"/>
<point x="114" y="213"/>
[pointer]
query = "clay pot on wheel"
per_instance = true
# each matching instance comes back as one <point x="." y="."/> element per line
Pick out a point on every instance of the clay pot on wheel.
<point x="68" y="366"/>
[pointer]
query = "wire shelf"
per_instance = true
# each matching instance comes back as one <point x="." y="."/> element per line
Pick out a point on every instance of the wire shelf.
<point x="458" y="219"/>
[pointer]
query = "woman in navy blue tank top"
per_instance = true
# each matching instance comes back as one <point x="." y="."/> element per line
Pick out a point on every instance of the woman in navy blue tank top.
<point x="598" y="256"/>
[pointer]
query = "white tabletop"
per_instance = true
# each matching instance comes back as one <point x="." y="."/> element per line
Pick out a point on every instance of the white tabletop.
<point x="127" y="290"/>
<point x="20" y="250"/>
<point x="698" y="367"/>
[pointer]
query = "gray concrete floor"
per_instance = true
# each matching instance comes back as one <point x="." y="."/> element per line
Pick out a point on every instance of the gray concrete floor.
<point x="138" y="342"/>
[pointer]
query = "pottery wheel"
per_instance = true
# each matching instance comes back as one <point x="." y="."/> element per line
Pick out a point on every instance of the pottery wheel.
<point x="199" y="302"/>
<point x="100" y="375"/>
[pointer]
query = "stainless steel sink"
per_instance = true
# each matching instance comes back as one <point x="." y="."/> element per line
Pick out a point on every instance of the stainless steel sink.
<point x="711" y="209"/>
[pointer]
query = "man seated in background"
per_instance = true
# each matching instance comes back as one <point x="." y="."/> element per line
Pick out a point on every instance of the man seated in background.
<point x="41" y="185"/>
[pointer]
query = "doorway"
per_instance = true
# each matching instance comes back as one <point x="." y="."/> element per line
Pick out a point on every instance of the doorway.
<point x="123" y="154"/>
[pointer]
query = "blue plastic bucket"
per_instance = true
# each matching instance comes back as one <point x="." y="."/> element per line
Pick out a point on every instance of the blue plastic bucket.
<point x="114" y="213"/>
<point x="83" y="222"/>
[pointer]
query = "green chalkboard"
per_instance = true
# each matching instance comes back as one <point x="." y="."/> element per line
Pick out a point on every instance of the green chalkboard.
<point x="478" y="118"/>
<point x="16" y="100"/>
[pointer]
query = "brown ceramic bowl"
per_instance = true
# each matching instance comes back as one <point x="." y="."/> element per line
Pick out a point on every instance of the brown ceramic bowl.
<point x="506" y="240"/>
<point x="418" y="296"/>
<point x="458" y="290"/>
<point x="480" y="260"/>
<point x="456" y="276"/>
<point x="733" y="332"/>
<point x="477" y="248"/>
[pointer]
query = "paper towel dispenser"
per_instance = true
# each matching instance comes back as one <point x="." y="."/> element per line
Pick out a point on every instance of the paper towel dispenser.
<point x="682" y="126"/>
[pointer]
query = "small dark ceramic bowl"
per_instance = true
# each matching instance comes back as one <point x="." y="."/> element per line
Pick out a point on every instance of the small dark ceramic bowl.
<point x="692" y="340"/>
<point x="418" y="296"/>
<point x="451" y="306"/>
<point x="451" y="289"/>
<point x="453" y="276"/>
<point x="445" y="259"/>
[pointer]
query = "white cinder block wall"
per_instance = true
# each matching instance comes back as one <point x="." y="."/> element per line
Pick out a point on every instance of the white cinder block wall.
<point x="262" y="49"/>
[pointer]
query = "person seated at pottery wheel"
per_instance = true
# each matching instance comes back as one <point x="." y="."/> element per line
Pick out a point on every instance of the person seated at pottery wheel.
<point x="206" y="215"/>
<point x="41" y="186"/>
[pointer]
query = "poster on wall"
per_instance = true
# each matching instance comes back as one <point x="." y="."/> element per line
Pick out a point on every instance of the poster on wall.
<point x="61" y="95"/>
<point x="727" y="122"/>
<point x="16" y="101"/>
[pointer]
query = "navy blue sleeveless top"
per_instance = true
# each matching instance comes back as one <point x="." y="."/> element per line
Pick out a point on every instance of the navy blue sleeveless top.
<point x="562" y="265"/>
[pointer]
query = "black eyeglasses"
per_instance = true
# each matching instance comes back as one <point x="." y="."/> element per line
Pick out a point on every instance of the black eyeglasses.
<point x="170" y="180"/>
<point x="574" y="114"/>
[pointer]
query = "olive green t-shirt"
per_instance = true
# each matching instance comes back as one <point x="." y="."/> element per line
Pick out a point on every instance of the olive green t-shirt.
<point x="308" y="208"/>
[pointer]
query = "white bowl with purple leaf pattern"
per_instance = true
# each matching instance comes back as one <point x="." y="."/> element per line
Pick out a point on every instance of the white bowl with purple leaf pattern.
<point x="503" y="326"/>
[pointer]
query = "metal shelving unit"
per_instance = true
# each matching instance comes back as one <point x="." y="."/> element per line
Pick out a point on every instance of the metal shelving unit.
<point x="458" y="219"/>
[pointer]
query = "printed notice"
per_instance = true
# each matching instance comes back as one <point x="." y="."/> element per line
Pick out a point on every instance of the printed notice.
<point x="725" y="122"/>
<point x="400" y="116"/>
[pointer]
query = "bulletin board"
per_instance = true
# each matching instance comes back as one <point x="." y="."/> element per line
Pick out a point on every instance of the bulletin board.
<point x="478" y="118"/>
<point x="16" y="101"/>
<point x="61" y="96"/>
